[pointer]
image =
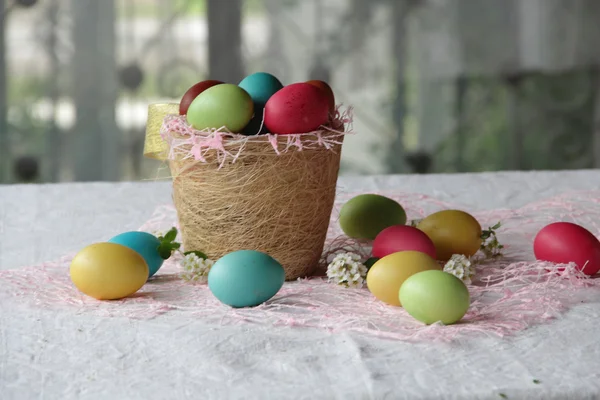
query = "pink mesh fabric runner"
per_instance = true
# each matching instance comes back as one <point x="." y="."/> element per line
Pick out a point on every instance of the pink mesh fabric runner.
<point x="508" y="295"/>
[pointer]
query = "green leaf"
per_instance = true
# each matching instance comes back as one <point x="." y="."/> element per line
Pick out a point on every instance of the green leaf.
<point x="369" y="263"/>
<point x="175" y="245"/>
<point x="537" y="381"/>
<point x="197" y="253"/>
<point x="503" y="395"/>
<point x="498" y="225"/>
<point x="171" y="235"/>
<point x="164" y="252"/>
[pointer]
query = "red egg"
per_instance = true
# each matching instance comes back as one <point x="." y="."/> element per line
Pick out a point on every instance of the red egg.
<point x="297" y="108"/>
<point x="327" y="91"/>
<point x="193" y="92"/>
<point x="564" y="242"/>
<point x="402" y="238"/>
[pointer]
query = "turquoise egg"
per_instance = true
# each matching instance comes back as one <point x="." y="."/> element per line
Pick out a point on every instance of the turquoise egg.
<point x="145" y="244"/>
<point x="245" y="278"/>
<point x="260" y="86"/>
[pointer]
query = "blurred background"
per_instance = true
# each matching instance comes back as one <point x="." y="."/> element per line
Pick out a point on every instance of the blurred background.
<point x="436" y="85"/>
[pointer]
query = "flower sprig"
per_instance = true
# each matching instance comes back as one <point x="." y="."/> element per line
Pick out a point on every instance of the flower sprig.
<point x="195" y="268"/>
<point x="490" y="246"/>
<point x="346" y="270"/>
<point x="168" y="245"/>
<point x="461" y="267"/>
<point x="195" y="264"/>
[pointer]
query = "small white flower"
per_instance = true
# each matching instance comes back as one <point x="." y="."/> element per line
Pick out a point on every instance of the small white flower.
<point x="346" y="270"/>
<point x="195" y="269"/>
<point x="461" y="267"/>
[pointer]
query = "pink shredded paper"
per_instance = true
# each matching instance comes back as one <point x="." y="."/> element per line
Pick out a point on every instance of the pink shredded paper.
<point x="508" y="294"/>
<point x="186" y="142"/>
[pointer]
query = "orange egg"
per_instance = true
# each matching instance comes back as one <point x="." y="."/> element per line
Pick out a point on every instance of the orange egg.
<point x="327" y="91"/>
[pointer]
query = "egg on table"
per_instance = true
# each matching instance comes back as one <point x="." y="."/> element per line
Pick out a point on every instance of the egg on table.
<point x="401" y="238"/>
<point x="366" y="215"/>
<point x="108" y="271"/>
<point x="389" y="273"/>
<point x="435" y="296"/>
<point x="145" y="244"/>
<point x="245" y="278"/>
<point x="565" y="242"/>
<point x="297" y="108"/>
<point x="452" y="232"/>
<point x="223" y="105"/>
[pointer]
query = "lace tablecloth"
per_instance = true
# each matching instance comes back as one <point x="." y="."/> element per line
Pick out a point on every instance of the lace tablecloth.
<point x="59" y="353"/>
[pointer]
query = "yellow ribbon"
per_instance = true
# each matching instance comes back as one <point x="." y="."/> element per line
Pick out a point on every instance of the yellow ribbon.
<point x="154" y="145"/>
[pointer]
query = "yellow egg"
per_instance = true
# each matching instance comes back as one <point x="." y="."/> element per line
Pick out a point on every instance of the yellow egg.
<point x="452" y="232"/>
<point x="108" y="271"/>
<point x="389" y="273"/>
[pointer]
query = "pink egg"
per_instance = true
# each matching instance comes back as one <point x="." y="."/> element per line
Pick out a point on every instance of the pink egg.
<point x="296" y="108"/>
<point x="564" y="242"/>
<point x="402" y="238"/>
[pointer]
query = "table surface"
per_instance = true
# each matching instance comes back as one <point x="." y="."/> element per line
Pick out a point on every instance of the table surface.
<point x="55" y="354"/>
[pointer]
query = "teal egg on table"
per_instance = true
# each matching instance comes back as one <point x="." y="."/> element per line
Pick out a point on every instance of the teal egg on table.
<point x="435" y="296"/>
<point x="260" y="86"/>
<point x="219" y="106"/>
<point x="245" y="278"/>
<point x="145" y="244"/>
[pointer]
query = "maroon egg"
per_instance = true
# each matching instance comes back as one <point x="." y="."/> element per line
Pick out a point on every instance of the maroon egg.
<point x="565" y="242"/>
<point x="402" y="238"/>
<point x="296" y="108"/>
<point x="193" y="92"/>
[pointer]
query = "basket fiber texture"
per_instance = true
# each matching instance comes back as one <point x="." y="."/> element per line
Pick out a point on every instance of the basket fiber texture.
<point x="277" y="202"/>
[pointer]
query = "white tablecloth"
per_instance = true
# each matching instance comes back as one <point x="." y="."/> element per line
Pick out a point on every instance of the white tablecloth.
<point x="59" y="355"/>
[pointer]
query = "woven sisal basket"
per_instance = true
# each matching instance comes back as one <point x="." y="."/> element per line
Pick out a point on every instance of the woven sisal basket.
<point x="268" y="193"/>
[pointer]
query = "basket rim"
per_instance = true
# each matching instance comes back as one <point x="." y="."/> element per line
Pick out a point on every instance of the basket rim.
<point x="184" y="142"/>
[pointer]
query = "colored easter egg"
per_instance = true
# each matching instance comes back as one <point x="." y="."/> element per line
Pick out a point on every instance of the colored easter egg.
<point x="256" y="126"/>
<point x="452" y="232"/>
<point x="297" y="108"/>
<point x="145" y="244"/>
<point x="260" y="86"/>
<point x="435" y="296"/>
<point x="366" y="215"/>
<point x="324" y="86"/>
<point x="565" y="242"/>
<point x="401" y="238"/>
<point x="223" y="105"/>
<point x="108" y="271"/>
<point x="193" y="92"/>
<point x="245" y="278"/>
<point x="389" y="273"/>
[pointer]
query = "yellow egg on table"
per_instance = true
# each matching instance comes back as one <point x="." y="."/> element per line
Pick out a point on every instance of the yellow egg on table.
<point x="108" y="271"/>
<point x="389" y="273"/>
<point x="452" y="232"/>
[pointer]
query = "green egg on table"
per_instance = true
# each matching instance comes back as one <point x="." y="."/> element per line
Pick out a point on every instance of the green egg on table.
<point x="364" y="216"/>
<point x="245" y="278"/>
<point x="432" y="296"/>
<point x="223" y="105"/>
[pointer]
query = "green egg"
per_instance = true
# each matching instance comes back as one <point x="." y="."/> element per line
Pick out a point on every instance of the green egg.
<point x="224" y="105"/>
<point x="432" y="296"/>
<point x="364" y="216"/>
